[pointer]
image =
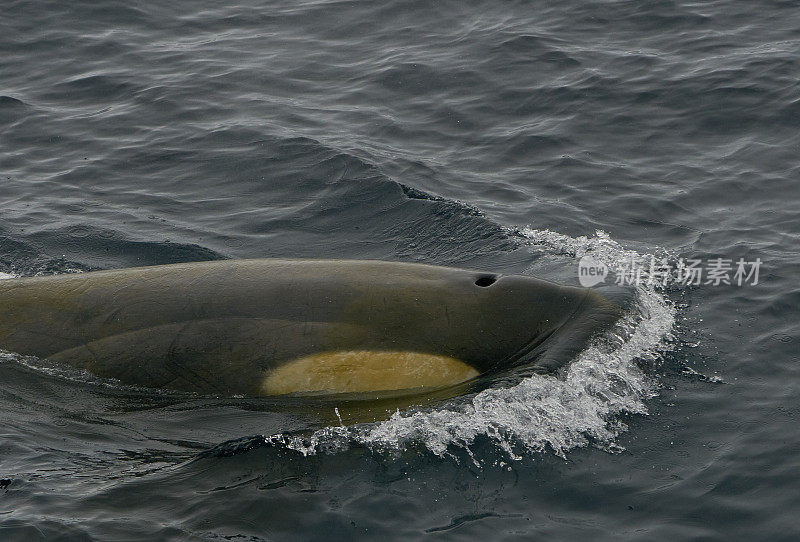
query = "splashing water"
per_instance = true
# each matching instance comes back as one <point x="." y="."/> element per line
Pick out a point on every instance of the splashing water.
<point x="556" y="412"/>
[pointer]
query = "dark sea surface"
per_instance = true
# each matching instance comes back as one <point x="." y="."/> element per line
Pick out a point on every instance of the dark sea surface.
<point x="507" y="136"/>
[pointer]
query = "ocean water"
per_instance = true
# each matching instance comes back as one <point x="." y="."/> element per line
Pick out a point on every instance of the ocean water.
<point x="517" y="137"/>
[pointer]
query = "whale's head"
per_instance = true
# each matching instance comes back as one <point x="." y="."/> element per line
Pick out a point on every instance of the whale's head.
<point x="434" y="327"/>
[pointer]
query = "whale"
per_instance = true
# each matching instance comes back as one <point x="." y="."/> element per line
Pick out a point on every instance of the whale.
<point x="264" y="327"/>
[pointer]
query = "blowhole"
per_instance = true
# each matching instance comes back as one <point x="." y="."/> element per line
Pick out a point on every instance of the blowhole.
<point x="485" y="280"/>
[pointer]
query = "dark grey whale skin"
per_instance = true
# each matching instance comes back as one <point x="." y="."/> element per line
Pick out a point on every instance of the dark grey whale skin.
<point x="217" y="327"/>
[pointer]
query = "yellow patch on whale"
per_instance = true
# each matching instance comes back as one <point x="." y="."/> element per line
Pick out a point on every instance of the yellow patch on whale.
<point x="363" y="370"/>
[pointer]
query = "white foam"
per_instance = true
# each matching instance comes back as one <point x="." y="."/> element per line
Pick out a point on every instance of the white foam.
<point x="4" y="276"/>
<point x="582" y="405"/>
